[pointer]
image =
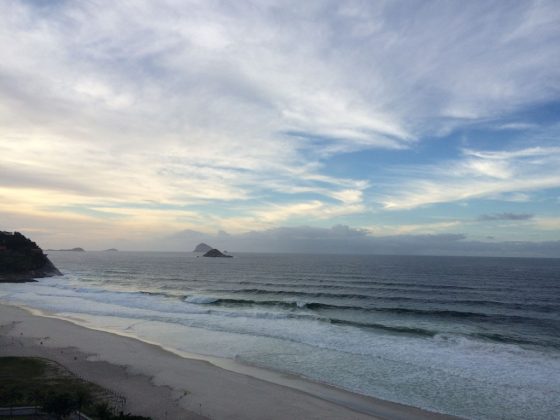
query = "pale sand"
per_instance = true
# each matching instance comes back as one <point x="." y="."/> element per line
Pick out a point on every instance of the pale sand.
<point x="163" y="385"/>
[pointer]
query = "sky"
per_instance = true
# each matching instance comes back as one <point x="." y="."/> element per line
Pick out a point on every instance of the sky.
<point x="319" y="126"/>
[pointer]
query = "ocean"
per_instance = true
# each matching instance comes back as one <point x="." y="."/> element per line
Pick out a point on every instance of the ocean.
<point x="473" y="337"/>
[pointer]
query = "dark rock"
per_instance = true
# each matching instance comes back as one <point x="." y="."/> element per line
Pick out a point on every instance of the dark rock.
<point x="216" y="254"/>
<point x="202" y="247"/>
<point x="22" y="260"/>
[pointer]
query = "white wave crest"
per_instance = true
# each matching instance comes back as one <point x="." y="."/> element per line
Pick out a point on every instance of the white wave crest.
<point x="201" y="299"/>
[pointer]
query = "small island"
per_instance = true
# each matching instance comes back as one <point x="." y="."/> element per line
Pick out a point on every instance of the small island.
<point x="21" y="260"/>
<point x="111" y="250"/>
<point x="214" y="253"/>
<point x="202" y="247"/>
<point x="77" y="249"/>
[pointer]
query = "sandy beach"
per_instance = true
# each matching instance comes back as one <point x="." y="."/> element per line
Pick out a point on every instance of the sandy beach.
<point x="161" y="384"/>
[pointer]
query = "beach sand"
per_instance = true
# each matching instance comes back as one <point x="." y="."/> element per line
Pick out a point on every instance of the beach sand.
<point x="164" y="385"/>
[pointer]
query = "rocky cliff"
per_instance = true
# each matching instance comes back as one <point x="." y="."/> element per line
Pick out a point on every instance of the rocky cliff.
<point x="22" y="260"/>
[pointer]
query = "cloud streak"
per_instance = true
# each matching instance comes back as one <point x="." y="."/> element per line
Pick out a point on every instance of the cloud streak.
<point x="504" y="216"/>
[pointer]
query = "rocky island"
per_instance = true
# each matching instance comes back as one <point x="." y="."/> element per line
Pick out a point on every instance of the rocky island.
<point x="77" y="249"/>
<point x="216" y="254"/>
<point x="21" y="260"/>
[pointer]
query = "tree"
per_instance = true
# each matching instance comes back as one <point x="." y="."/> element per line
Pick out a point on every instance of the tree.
<point x="38" y="397"/>
<point x="102" y="411"/>
<point x="59" y="404"/>
<point x="13" y="395"/>
<point x="82" y="398"/>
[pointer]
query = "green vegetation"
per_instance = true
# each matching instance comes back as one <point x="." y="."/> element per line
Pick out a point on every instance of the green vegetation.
<point x="22" y="258"/>
<point x="23" y="367"/>
<point x="27" y="381"/>
<point x="19" y="254"/>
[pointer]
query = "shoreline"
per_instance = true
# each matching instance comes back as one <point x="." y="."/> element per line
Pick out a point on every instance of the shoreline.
<point x="354" y="401"/>
<point x="189" y="385"/>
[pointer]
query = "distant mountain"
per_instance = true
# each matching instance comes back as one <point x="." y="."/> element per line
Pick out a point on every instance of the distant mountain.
<point x="67" y="250"/>
<point x="22" y="260"/>
<point x="202" y="247"/>
<point x="111" y="250"/>
<point x="214" y="253"/>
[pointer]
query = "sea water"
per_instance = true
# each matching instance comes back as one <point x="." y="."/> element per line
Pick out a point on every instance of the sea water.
<point x="473" y="337"/>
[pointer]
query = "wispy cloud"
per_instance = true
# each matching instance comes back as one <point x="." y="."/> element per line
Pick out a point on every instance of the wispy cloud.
<point x="548" y="223"/>
<point x="238" y="107"/>
<point x="417" y="229"/>
<point x="504" y="216"/>
<point x="479" y="174"/>
<point x="516" y="126"/>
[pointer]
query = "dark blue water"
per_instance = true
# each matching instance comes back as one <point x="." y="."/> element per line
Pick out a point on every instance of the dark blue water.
<point x="475" y="337"/>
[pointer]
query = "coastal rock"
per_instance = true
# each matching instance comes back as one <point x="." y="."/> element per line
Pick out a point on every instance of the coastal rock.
<point x="202" y="247"/>
<point x="22" y="260"/>
<point x="216" y="254"/>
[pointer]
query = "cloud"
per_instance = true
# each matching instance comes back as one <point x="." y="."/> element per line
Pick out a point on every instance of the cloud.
<point x="477" y="174"/>
<point x="516" y="126"/>
<point x="221" y="114"/>
<point x="548" y="223"/>
<point x="419" y="228"/>
<point x="504" y="216"/>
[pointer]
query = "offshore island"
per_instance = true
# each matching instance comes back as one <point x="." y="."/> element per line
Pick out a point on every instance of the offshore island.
<point x="215" y="253"/>
<point x="210" y="252"/>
